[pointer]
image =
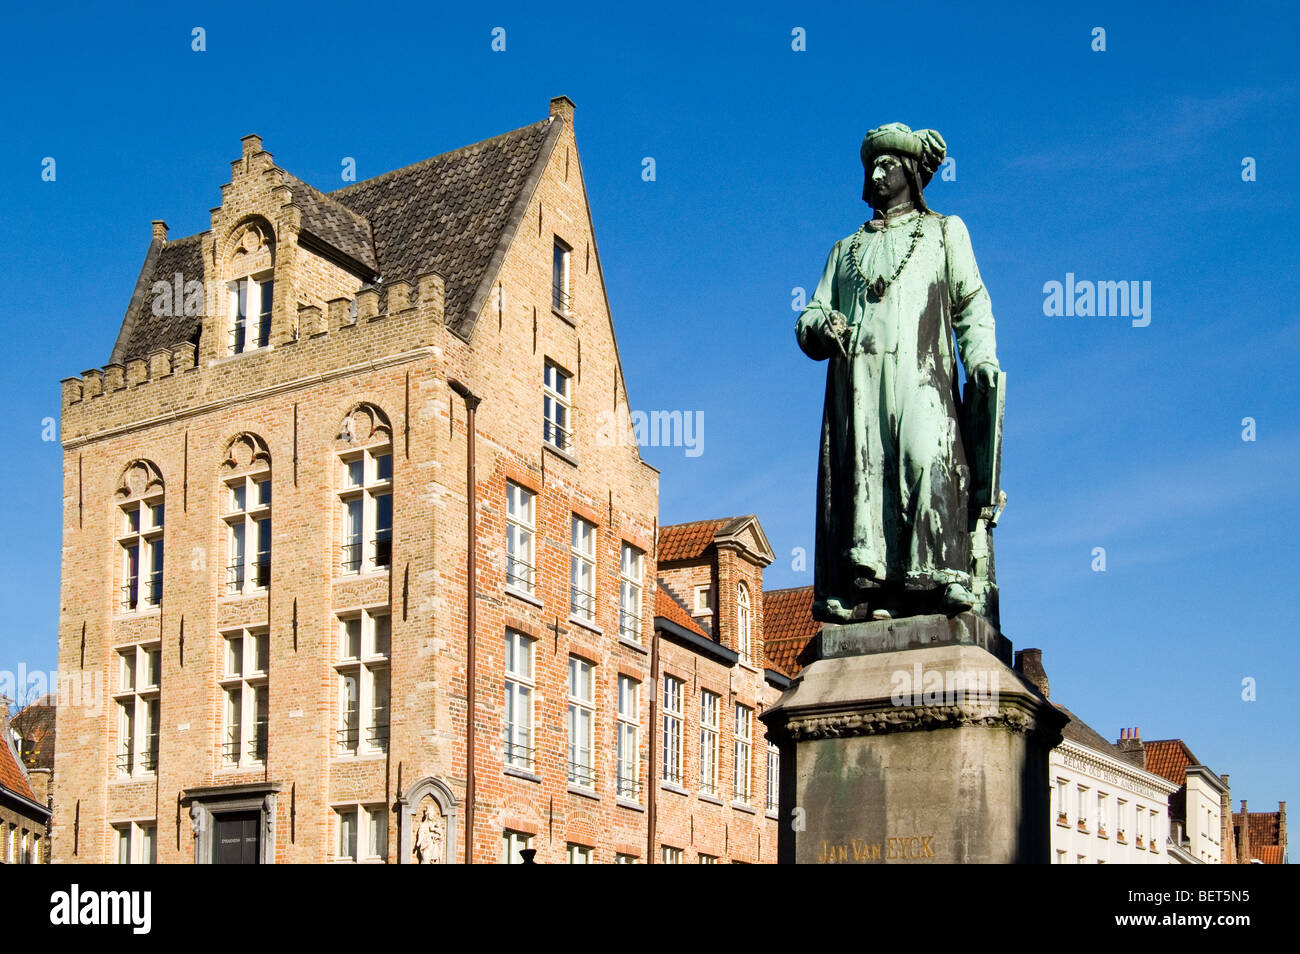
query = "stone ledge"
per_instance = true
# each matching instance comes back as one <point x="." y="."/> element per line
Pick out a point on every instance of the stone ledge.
<point x="838" y="640"/>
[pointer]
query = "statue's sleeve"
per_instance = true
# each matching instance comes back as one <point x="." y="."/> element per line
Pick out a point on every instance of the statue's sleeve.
<point x="815" y="337"/>
<point x="972" y="312"/>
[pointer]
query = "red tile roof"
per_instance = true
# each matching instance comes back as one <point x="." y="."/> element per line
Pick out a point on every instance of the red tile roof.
<point x="1269" y="854"/>
<point x="1265" y="835"/>
<point x="11" y="774"/>
<point x="671" y="610"/>
<point x="1169" y="759"/>
<point x="788" y="626"/>
<point x="686" y="541"/>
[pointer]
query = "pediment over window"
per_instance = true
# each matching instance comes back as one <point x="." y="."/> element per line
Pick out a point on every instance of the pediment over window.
<point x="364" y="424"/>
<point x="246" y="451"/>
<point x="140" y="478"/>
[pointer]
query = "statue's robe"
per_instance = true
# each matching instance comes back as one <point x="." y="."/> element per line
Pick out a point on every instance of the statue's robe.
<point x="893" y="484"/>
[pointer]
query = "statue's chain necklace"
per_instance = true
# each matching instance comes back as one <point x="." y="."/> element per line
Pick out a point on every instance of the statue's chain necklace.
<point x="879" y="285"/>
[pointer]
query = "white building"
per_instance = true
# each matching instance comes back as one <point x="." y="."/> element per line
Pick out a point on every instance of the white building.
<point x="1105" y="809"/>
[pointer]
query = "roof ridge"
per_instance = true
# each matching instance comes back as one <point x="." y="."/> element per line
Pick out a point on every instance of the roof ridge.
<point x="788" y="589"/>
<point x="339" y="194"/>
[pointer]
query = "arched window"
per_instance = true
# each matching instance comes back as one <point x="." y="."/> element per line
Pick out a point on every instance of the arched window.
<point x="250" y="288"/>
<point x="140" y="535"/>
<point x="246" y="513"/>
<point x="744" y="619"/>
<point x="365" y="468"/>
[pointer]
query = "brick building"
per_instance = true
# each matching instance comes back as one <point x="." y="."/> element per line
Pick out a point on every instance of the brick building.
<point x="24" y="805"/>
<point x="1260" y="837"/>
<point x="364" y="573"/>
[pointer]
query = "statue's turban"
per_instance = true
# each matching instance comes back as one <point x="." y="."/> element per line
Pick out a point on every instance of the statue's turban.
<point x="925" y="146"/>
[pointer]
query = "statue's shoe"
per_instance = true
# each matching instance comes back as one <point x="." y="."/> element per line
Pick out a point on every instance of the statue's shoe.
<point x="881" y="614"/>
<point x="958" y="597"/>
<point x="832" y="611"/>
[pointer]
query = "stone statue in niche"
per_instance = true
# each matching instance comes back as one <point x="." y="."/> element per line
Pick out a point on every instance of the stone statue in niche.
<point x="428" y="837"/>
<point x="907" y="489"/>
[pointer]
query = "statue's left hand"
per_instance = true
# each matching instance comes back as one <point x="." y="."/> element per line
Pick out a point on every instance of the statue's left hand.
<point x="985" y="374"/>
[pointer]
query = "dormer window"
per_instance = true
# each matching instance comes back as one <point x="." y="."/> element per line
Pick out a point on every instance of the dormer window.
<point x="250" y="313"/>
<point x="250" y="290"/>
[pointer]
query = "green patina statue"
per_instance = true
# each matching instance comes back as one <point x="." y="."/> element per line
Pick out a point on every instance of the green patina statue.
<point x="907" y="491"/>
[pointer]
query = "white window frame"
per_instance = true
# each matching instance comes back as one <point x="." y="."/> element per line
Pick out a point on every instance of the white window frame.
<point x="576" y="854"/>
<point x="368" y="820"/>
<point x="137" y="840"/>
<point x="582" y="722"/>
<point x="622" y="858"/>
<point x="367" y="548"/>
<point x="627" y="752"/>
<point x="521" y="689"/>
<point x="631" y="569"/>
<point x="670" y="855"/>
<point x="512" y="843"/>
<point x="773" y="778"/>
<point x="557" y="406"/>
<point x="364" y="678"/>
<point x="674" y="694"/>
<point x="521" y="533"/>
<point x="242" y="745"/>
<point x="741" y="765"/>
<point x="256" y="316"/>
<point x="744" y="624"/>
<point x="143" y="589"/>
<point x="710" y="706"/>
<point x="248" y="519"/>
<point x="582" y="570"/>
<point x="704" y="859"/>
<point x="139" y="708"/>
<point x="703" y="600"/>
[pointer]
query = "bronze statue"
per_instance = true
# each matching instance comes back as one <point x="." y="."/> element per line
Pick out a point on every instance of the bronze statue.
<point x="898" y="507"/>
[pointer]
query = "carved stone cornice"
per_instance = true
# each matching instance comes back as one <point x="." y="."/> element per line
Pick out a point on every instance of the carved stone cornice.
<point x="815" y="725"/>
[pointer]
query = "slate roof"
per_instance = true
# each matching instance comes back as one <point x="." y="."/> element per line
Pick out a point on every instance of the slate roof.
<point x="1076" y="730"/>
<point x="449" y="214"/>
<point x="788" y="626"/>
<point x="334" y="223"/>
<point x="142" y="330"/>
<point x="454" y="213"/>
<point x="1169" y="759"/>
<point x="668" y="608"/>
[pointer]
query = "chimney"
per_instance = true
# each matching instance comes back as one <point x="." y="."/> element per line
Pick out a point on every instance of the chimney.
<point x="1131" y="748"/>
<point x="1281" y="826"/>
<point x="1029" y="663"/>
<point x="563" y="107"/>
<point x="159" y="230"/>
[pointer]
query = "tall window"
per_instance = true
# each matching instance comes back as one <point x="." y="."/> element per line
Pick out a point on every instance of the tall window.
<point x="582" y="717"/>
<point x="139" y="684"/>
<point x="250" y="312"/>
<point x="367" y="499"/>
<point x="520" y="531"/>
<point x="247" y="700"/>
<point x="671" y="856"/>
<point x="629" y="721"/>
<point x="582" y="570"/>
<point x="248" y="533"/>
<point x="557" y="429"/>
<point x="773" y="778"/>
<point x="560" y="277"/>
<point x="744" y="728"/>
<point x="142" y="552"/>
<point x="743" y="622"/>
<point x="709" y="706"/>
<point x="365" y="643"/>
<point x="512" y="843"/>
<point x="673" y="730"/>
<point x="629" y="617"/>
<point x="519" y="701"/>
<point x="363" y="833"/>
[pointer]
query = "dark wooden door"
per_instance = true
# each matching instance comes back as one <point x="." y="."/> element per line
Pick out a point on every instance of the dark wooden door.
<point x="237" y="837"/>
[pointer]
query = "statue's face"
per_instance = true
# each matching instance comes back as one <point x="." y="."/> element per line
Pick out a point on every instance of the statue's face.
<point x="887" y="184"/>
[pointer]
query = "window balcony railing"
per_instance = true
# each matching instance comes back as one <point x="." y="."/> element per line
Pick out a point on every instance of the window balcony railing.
<point x="708" y="787"/>
<point x="149" y="758"/>
<point x="555" y="435"/>
<point x="231" y="749"/>
<point x="561" y="300"/>
<point x="582" y="604"/>
<point x="261" y="737"/>
<point x="517" y="754"/>
<point x="350" y="557"/>
<point x="125" y="761"/>
<point x="262" y="570"/>
<point x="673" y="774"/>
<point x="629" y="626"/>
<point x="629" y="785"/>
<point x="383" y="544"/>
<point x="519" y="574"/>
<point x="582" y="774"/>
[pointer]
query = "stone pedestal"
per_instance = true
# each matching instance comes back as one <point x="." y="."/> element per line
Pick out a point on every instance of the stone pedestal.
<point x="914" y="741"/>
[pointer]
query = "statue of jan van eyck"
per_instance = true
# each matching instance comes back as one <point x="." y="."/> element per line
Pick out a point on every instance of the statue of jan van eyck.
<point x="907" y="489"/>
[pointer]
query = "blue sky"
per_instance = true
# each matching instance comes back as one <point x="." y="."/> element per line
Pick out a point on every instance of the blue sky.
<point x="1116" y="165"/>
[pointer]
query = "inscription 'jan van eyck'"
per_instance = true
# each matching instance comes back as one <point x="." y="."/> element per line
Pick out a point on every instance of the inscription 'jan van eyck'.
<point x="891" y="849"/>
